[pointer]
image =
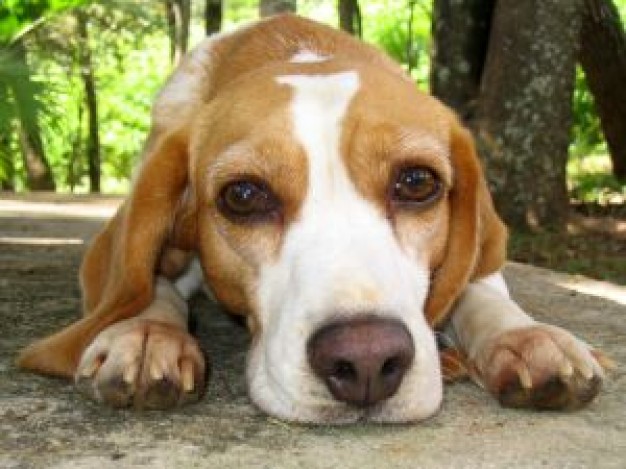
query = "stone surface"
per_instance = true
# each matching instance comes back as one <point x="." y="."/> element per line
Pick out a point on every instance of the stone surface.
<point x="45" y="423"/>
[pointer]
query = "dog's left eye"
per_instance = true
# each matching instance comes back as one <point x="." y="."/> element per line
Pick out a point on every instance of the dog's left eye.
<point x="416" y="185"/>
<point x="247" y="200"/>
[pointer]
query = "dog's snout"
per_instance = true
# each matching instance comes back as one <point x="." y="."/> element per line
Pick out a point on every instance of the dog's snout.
<point x="362" y="360"/>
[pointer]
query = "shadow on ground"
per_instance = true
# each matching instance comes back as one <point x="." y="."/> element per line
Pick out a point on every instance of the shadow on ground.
<point x="45" y="423"/>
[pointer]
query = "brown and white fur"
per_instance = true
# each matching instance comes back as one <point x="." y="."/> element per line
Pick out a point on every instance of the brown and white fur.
<point x="324" y="123"/>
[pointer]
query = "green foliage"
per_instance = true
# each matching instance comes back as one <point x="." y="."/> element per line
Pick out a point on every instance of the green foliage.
<point x="589" y="175"/>
<point x="590" y="180"/>
<point x="7" y="136"/>
<point x="621" y="7"/>
<point x="386" y="24"/>
<point x="126" y="99"/>
<point x="587" y="132"/>
<point x="238" y="11"/>
<point x="8" y="72"/>
<point x="130" y="52"/>
<point x="16" y="16"/>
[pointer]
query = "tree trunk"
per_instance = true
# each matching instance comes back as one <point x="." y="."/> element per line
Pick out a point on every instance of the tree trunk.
<point x="350" y="17"/>
<point x="212" y="16"/>
<point x="87" y="75"/>
<point x="273" y="7"/>
<point x="603" y="58"/>
<point x="38" y="172"/>
<point x="6" y="183"/>
<point x="524" y="113"/>
<point x="178" y="21"/>
<point x="75" y="159"/>
<point x="460" y="32"/>
<point x="7" y="163"/>
<point x="411" y="58"/>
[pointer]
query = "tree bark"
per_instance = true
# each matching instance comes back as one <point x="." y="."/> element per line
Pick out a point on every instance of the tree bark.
<point x="350" y="17"/>
<point x="410" y="56"/>
<point x="213" y="16"/>
<point x="7" y="163"/>
<point x="38" y="173"/>
<point x="178" y="21"/>
<point x="6" y="184"/>
<point x="75" y="158"/>
<point x="524" y="113"/>
<point x="603" y="58"/>
<point x="273" y="7"/>
<point x="460" y="32"/>
<point x="91" y="101"/>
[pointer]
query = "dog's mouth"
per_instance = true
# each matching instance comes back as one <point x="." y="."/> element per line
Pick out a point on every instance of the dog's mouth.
<point x="330" y="411"/>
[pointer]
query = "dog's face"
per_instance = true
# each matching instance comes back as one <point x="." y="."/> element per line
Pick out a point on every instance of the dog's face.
<point x="323" y="210"/>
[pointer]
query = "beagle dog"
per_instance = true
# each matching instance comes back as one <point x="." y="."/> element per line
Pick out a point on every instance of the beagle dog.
<point x="300" y="176"/>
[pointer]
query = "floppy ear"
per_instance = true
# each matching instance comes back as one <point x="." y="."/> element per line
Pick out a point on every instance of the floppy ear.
<point x="156" y="223"/>
<point x="117" y="274"/>
<point x="476" y="243"/>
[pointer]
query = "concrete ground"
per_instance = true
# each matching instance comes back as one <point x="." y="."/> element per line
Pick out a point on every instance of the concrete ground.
<point x="44" y="423"/>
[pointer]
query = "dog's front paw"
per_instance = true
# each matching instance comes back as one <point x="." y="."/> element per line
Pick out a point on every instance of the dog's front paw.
<point x="541" y="367"/>
<point x="144" y="364"/>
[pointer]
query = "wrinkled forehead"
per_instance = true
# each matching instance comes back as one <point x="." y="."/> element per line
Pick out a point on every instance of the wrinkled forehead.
<point x="368" y="107"/>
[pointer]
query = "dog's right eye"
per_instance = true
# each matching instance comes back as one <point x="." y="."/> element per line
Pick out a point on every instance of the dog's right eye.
<point x="248" y="200"/>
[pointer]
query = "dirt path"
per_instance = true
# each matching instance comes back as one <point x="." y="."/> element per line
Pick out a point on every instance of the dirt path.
<point x="44" y="423"/>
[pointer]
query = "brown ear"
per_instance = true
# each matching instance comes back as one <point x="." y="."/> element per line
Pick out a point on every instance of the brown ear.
<point x="477" y="237"/>
<point x="117" y="274"/>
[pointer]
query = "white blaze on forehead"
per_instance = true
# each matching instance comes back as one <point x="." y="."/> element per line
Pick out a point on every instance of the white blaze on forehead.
<point x="318" y="108"/>
<point x="307" y="56"/>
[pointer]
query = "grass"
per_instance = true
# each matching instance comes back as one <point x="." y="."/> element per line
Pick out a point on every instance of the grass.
<point x="590" y="180"/>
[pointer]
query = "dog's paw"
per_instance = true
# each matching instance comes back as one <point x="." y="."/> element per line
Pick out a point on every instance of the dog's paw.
<point x="540" y="367"/>
<point x="143" y="364"/>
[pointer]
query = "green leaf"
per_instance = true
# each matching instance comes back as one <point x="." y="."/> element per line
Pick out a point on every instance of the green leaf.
<point x="17" y="16"/>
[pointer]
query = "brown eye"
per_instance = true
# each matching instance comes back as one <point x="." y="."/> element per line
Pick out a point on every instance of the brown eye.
<point x="416" y="186"/>
<point x="248" y="200"/>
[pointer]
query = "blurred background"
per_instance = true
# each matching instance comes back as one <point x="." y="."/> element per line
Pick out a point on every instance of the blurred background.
<point x="540" y="83"/>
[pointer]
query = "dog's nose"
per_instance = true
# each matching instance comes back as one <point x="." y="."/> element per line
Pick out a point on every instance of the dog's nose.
<point x="362" y="360"/>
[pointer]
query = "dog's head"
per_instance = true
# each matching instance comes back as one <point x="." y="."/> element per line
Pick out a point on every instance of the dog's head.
<point x="339" y="204"/>
<point x="337" y="207"/>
